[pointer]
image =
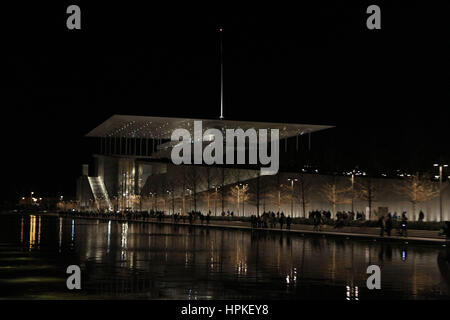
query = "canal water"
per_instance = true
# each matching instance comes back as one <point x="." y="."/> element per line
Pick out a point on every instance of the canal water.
<point x="121" y="260"/>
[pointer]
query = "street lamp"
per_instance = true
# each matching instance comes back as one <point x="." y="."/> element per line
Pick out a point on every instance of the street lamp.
<point x="171" y="193"/>
<point x="155" y="195"/>
<point x="215" y="200"/>
<point x="243" y="198"/>
<point x="292" y="195"/>
<point x="441" y="166"/>
<point x="169" y="198"/>
<point x="190" y="200"/>
<point x="353" y="189"/>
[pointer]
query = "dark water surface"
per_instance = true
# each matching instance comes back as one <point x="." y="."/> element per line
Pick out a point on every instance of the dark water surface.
<point x="121" y="260"/>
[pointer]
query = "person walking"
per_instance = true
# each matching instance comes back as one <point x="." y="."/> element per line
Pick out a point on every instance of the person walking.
<point x="382" y="224"/>
<point x="389" y="224"/>
<point x="404" y="225"/>
<point x="202" y="217"/>
<point x="281" y="220"/>
<point x="288" y="223"/>
<point x="446" y="231"/>
<point x="316" y="220"/>
<point x="421" y="216"/>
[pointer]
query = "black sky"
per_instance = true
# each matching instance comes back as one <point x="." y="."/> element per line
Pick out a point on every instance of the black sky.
<point x="387" y="91"/>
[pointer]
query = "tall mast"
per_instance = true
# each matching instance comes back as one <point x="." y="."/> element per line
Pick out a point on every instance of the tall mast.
<point x="221" y="74"/>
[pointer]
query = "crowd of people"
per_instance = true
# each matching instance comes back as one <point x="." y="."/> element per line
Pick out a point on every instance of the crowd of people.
<point x="126" y="215"/>
<point x="192" y="216"/>
<point x="266" y="220"/>
<point x="386" y="224"/>
<point x="270" y="220"/>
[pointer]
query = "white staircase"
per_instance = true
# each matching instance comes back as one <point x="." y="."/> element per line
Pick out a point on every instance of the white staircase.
<point x="99" y="191"/>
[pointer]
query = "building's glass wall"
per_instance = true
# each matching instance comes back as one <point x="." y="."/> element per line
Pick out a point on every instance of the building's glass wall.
<point x="127" y="199"/>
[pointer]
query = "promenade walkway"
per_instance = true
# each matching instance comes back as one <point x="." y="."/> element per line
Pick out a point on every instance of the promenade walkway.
<point x="368" y="233"/>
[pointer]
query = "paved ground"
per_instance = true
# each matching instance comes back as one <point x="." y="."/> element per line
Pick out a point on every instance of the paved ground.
<point x="422" y="236"/>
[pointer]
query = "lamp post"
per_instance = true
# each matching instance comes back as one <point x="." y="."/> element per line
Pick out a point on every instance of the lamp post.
<point x="173" y="201"/>
<point x="168" y="196"/>
<point x="353" y="189"/>
<point x="238" y="194"/>
<point x="190" y="201"/>
<point x="215" y="200"/>
<point x="171" y="195"/>
<point x="292" y="195"/>
<point x="243" y="198"/>
<point x="441" y="167"/>
<point x="62" y="202"/>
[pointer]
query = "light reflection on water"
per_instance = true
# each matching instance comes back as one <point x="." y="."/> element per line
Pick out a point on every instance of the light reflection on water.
<point x="151" y="261"/>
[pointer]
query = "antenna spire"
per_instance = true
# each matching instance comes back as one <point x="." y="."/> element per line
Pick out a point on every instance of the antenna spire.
<point x="221" y="73"/>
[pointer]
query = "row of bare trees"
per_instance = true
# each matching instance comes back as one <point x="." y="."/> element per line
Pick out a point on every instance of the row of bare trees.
<point x="414" y="188"/>
<point x="222" y="190"/>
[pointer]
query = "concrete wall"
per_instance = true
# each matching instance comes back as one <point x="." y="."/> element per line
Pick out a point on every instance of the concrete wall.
<point x="181" y="183"/>
<point x="386" y="192"/>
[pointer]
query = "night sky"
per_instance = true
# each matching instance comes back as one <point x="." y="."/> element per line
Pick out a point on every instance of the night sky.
<point x="386" y="91"/>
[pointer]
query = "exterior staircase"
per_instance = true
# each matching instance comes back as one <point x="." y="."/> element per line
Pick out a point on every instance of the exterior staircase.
<point x="100" y="193"/>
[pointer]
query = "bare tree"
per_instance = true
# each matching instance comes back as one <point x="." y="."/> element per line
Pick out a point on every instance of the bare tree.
<point x="207" y="193"/>
<point x="217" y="196"/>
<point x="305" y="187"/>
<point x="279" y="193"/>
<point x="335" y="194"/>
<point x="417" y="189"/>
<point x="264" y="188"/>
<point x="171" y="194"/>
<point x="135" y="202"/>
<point x="238" y="194"/>
<point x="368" y="191"/>
<point x="193" y="177"/>
<point x="258" y="192"/>
<point x="183" y="191"/>
<point x="254" y="191"/>
<point x="222" y="188"/>
<point x="157" y="189"/>
<point x="163" y="194"/>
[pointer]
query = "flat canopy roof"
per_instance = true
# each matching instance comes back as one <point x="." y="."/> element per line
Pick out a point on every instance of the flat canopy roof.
<point x="162" y="127"/>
